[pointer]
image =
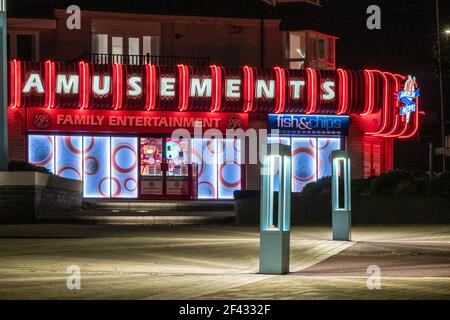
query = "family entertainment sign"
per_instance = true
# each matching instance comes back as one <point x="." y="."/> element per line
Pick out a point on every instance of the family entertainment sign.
<point x="60" y="120"/>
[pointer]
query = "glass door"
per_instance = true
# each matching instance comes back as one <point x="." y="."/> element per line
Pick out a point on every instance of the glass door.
<point x="165" y="169"/>
<point x="152" y="166"/>
<point x="177" y="166"/>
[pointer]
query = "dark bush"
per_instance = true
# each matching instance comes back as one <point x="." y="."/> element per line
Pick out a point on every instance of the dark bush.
<point x="422" y="184"/>
<point x="397" y="182"/>
<point x="320" y="187"/>
<point x="25" y="166"/>
<point x="440" y="184"/>
<point x="417" y="174"/>
<point x="389" y="182"/>
<point x="394" y="197"/>
<point x="405" y="188"/>
<point x="361" y="186"/>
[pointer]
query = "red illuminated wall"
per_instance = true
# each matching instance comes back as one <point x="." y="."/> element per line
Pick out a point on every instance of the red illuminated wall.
<point x="370" y="155"/>
<point x="16" y="134"/>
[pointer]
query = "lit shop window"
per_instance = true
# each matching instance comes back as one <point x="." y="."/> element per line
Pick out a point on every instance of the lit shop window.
<point x="97" y="167"/>
<point x="69" y="157"/>
<point x="304" y="158"/>
<point x="124" y="167"/>
<point x="229" y="167"/>
<point x="310" y="49"/>
<point x="41" y="152"/>
<point x="219" y="167"/>
<point x="311" y="159"/>
<point x="204" y="154"/>
<point x="108" y="166"/>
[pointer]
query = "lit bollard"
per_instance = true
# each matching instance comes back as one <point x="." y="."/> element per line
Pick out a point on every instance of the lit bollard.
<point x="275" y="226"/>
<point x="341" y="196"/>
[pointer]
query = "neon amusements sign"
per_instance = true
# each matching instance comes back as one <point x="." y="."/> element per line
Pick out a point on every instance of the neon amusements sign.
<point x="82" y="86"/>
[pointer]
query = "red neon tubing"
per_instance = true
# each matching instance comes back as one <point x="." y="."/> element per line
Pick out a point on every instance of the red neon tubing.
<point x="84" y="82"/>
<point x="216" y="98"/>
<point x="312" y="90"/>
<point x="150" y="77"/>
<point x="402" y="120"/>
<point x="117" y="86"/>
<point x="248" y="89"/>
<point x="49" y="84"/>
<point x="370" y="92"/>
<point x="281" y="89"/>
<point x="396" y="115"/>
<point x="385" y="110"/>
<point x="183" y="76"/>
<point x="343" y="91"/>
<point x="15" y="80"/>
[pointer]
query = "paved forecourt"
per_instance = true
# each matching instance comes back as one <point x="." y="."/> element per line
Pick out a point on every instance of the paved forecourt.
<point x="219" y="262"/>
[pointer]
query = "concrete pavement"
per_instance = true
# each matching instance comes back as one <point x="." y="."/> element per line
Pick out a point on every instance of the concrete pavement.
<point x="219" y="262"/>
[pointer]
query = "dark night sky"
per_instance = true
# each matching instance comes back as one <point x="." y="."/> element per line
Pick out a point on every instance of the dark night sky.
<point x="405" y="44"/>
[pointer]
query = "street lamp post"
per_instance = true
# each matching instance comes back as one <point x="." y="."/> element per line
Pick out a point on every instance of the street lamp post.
<point x="441" y="84"/>
<point x="3" y="89"/>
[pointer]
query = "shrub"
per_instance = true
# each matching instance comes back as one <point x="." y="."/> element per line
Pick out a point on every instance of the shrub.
<point x="25" y="166"/>
<point x="397" y="182"/>
<point x="440" y="184"/>
<point x="389" y="182"/>
<point x="362" y="186"/>
<point x="317" y="188"/>
<point x="405" y="188"/>
<point x="422" y="184"/>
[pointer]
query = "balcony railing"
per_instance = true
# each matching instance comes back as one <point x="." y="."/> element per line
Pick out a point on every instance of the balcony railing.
<point x="100" y="58"/>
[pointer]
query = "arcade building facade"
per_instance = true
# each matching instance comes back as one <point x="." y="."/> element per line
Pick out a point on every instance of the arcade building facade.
<point x="100" y="103"/>
<point x="110" y="125"/>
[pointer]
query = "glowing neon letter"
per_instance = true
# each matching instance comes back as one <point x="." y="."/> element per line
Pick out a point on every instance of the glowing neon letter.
<point x="34" y="82"/>
<point x="328" y="88"/>
<point x="67" y="84"/>
<point x="201" y="86"/>
<point x="263" y="90"/>
<point x="167" y="87"/>
<point x="233" y="90"/>
<point x="297" y="86"/>
<point x="134" y="86"/>
<point x="106" y="85"/>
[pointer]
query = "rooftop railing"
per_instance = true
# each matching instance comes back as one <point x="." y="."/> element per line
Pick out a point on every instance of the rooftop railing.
<point x="100" y="58"/>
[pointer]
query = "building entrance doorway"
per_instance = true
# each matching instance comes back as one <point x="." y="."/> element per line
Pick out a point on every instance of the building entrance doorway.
<point x="166" y="169"/>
